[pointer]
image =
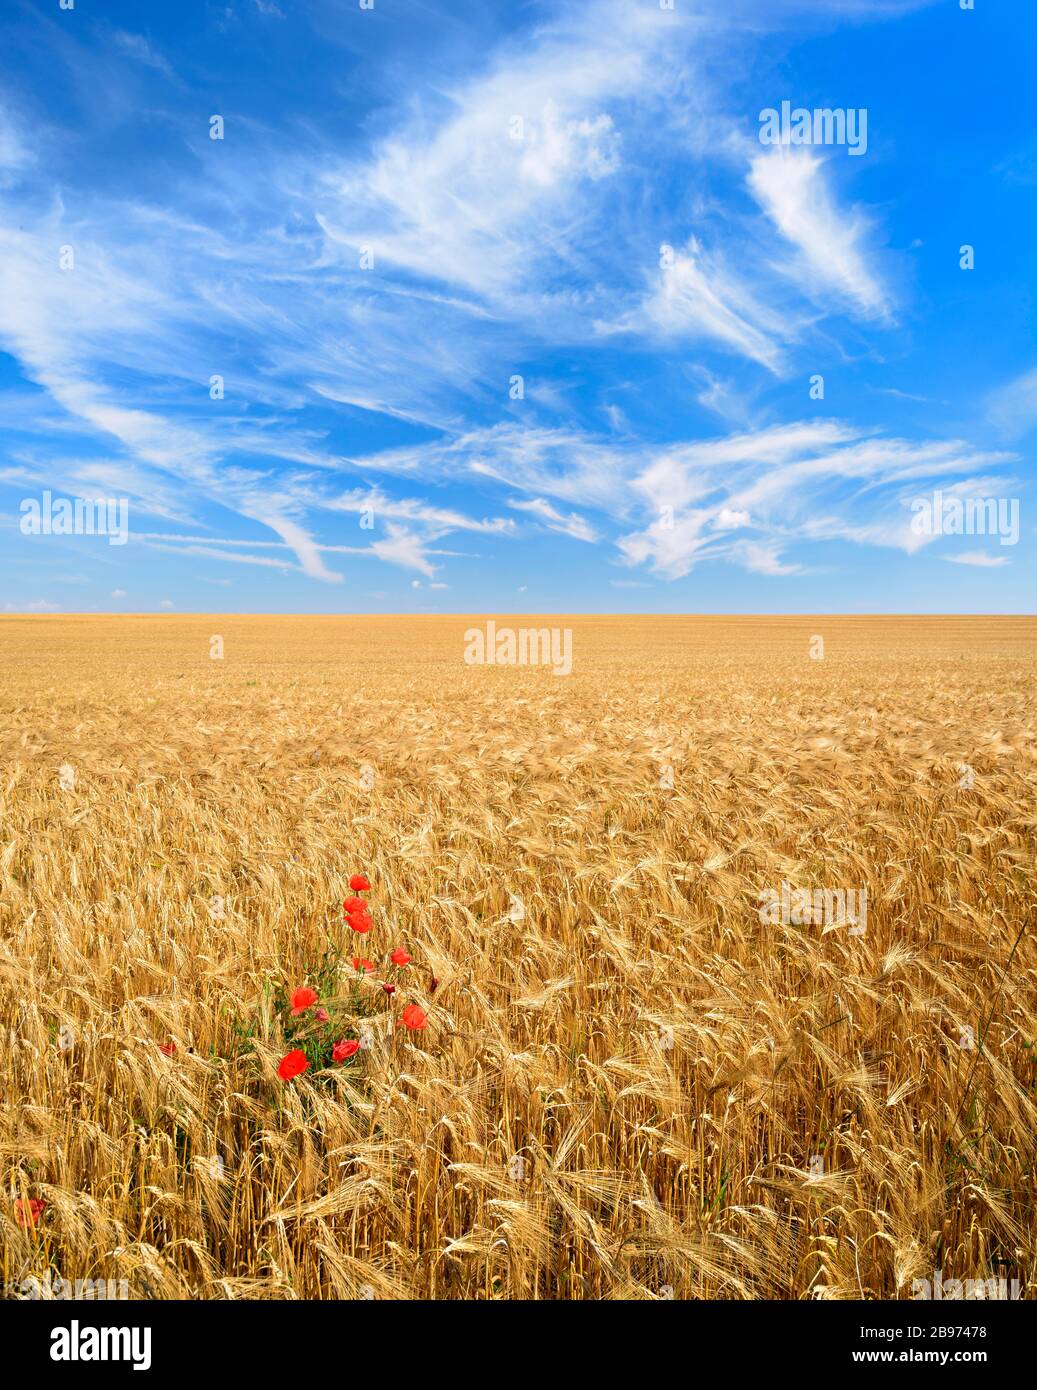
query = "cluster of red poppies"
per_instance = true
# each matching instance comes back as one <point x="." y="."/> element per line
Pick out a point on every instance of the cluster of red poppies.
<point x="358" y="915"/>
<point x="296" y="1062"/>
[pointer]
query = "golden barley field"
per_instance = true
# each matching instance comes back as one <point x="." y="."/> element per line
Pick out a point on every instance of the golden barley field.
<point x="629" y="1086"/>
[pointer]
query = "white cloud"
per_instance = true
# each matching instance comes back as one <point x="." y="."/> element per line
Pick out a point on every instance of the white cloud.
<point x="568" y="464"/>
<point x="979" y="558"/>
<point x="216" y="552"/>
<point x="36" y="605"/>
<point x="138" y="48"/>
<point x="573" y="525"/>
<point x="15" y="153"/>
<point x="672" y="549"/>
<point x="763" y="559"/>
<point x="438" y="520"/>
<point x="696" y="297"/>
<point x="805" y="481"/>
<point x="1013" y="407"/>
<point x="405" y="548"/>
<point x="790" y="185"/>
<point x="471" y="195"/>
<point x="808" y="481"/>
<point x="65" y="326"/>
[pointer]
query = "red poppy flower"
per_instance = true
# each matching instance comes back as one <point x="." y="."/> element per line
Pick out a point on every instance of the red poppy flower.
<point x="321" y="1015"/>
<point x="168" y="1049"/>
<point x="400" y="957"/>
<point x="28" y="1213"/>
<point x="352" y="905"/>
<point x="389" y="989"/>
<point x="367" y="966"/>
<point x="413" y="1016"/>
<point x="359" y="883"/>
<point x="293" y="1065"/>
<point x="433" y="985"/>
<point x="345" y="1049"/>
<point x="302" y="999"/>
<point x="361" y="922"/>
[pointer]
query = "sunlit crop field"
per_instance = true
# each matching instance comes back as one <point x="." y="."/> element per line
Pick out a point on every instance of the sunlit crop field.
<point x="629" y="1083"/>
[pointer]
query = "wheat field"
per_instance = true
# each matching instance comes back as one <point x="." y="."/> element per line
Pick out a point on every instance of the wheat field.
<point x="629" y="1085"/>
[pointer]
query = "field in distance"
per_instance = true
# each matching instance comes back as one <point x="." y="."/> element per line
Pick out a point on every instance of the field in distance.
<point x="651" y="1040"/>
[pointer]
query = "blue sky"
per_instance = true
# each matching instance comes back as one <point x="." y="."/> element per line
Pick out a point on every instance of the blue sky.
<point x="414" y="205"/>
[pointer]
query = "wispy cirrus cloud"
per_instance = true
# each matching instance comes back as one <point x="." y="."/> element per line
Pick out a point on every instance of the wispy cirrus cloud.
<point x="979" y="559"/>
<point x="137" y="47"/>
<point x="791" y="187"/>
<point x="572" y="524"/>
<point x="746" y="497"/>
<point x="469" y="188"/>
<point x="692" y="297"/>
<point x="1013" y="406"/>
